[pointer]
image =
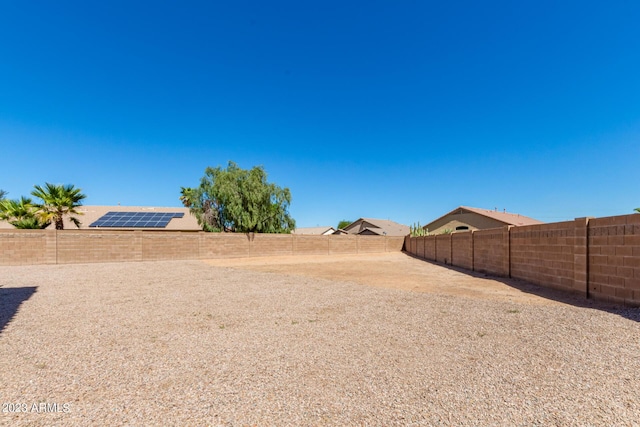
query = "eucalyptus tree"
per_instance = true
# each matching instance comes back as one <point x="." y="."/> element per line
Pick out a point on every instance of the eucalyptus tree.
<point x="58" y="201"/>
<point x="239" y="200"/>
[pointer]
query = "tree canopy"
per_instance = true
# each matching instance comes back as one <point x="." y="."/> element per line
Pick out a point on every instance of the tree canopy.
<point x="2" y="194"/>
<point x="239" y="200"/>
<point x="342" y="224"/>
<point x="58" y="201"/>
<point x="22" y="213"/>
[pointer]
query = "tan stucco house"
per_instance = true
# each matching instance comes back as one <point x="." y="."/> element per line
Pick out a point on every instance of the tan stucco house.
<point x="465" y="218"/>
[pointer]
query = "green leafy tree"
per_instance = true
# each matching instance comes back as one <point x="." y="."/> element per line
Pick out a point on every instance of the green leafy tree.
<point x="342" y="224"/>
<point x="235" y="199"/>
<point x="3" y="194"/>
<point x="58" y="201"/>
<point x="22" y="213"/>
<point x="637" y="209"/>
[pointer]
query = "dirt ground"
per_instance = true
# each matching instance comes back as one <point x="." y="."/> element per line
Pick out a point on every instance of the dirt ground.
<point x="368" y="340"/>
<point x="399" y="271"/>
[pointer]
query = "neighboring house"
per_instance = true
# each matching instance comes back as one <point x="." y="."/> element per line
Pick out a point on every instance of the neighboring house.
<point x="316" y="231"/>
<point x="465" y="218"/>
<point x="129" y="218"/>
<point x="375" y="227"/>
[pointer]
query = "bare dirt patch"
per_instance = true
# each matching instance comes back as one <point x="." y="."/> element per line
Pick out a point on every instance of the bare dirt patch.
<point x="396" y="270"/>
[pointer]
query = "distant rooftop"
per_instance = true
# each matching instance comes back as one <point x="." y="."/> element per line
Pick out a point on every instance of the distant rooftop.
<point x="318" y="231"/>
<point x="91" y="214"/>
<point x="383" y="227"/>
<point x="506" y="217"/>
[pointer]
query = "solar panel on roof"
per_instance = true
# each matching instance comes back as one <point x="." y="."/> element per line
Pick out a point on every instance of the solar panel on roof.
<point x="136" y="219"/>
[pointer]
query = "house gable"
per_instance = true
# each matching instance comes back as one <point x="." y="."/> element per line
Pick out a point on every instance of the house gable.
<point x="371" y="226"/>
<point x="465" y="218"/>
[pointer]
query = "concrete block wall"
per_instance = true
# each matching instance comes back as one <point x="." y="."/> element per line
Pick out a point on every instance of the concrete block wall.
<point x="433" y="247"/>
<point x="27" y="247"/>
<point x="420" y="244"/>
<point x="614" y="258"/>
<point x="168" y="245"/>
<point x="346" y="245"/>
<point x="429" y="247"/>
<point x="217" y="245"/>
<point x="543" y="254"/>
<point x="80" y="247"/>
<point x="86" y="246"/>
<point x="462" y="250"/>
<point x="489" y="251"/>
<point x="598" y="258"/>
<point x="272" y="244"/>
<point x="310" y="245"/>
<point x="370" y="245"/>
<point x="443" y="248"/>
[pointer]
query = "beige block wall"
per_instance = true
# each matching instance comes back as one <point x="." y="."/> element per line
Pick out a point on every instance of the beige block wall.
<point x="462" y="250"/>
<point x="272" y="244"/>
<point x="544" y="254"/>
<point x="79" y="246"/>
<point x="218" y="245"/>
<point x="347" y="244"/>
<point x="86" y="246"/>
<point x="489" y="251"/>
<point x="419" y="247"/>
<point x="371" y="245"/>
<point x="430" y="247"/>
<point x="614" y="258"/>
<point x="443" y="248"/>
<point x="311" y="245"/>
<point x="598" y="258"/>
<point x="20" y="247"/>
<point x="169" y="245"/>
<point x="393" y="243"/>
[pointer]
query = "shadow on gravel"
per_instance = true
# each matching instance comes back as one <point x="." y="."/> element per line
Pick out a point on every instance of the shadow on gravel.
<point x="10" y="301"/>
<point x="577" y="300"/>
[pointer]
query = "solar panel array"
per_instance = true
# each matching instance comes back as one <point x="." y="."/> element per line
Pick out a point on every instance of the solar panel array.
<point x="136" y="219"/>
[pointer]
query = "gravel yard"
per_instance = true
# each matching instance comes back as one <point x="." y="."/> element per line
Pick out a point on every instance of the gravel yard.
<point x="357" y="340"/>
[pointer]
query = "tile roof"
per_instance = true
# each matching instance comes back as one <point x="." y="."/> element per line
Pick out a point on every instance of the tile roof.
<point x="506" y="217"/>
<point x="377" y="226"/>
<point x="314" y="230"/>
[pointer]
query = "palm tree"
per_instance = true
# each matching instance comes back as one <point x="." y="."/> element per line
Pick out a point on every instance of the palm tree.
<point x="58" y="201"/>
<point x="21" y="213"/>
<point x="2" y="194"/>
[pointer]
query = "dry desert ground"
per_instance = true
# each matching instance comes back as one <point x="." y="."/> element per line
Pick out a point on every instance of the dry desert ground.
<point x="361" y="340"/>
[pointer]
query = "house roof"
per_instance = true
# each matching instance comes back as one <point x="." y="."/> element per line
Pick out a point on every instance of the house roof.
<point x="314" y="230"/>
<point x="92" y="213"/>
<point x="377" y="226"/>
<point x="507" y="218"/>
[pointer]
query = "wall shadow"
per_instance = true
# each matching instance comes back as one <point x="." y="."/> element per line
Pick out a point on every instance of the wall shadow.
<point x="563" y="296"/>
<point x="10" y="301"/>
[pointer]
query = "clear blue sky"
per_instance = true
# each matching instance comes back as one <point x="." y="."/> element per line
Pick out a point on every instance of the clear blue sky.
<point x="401" y="110"/>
